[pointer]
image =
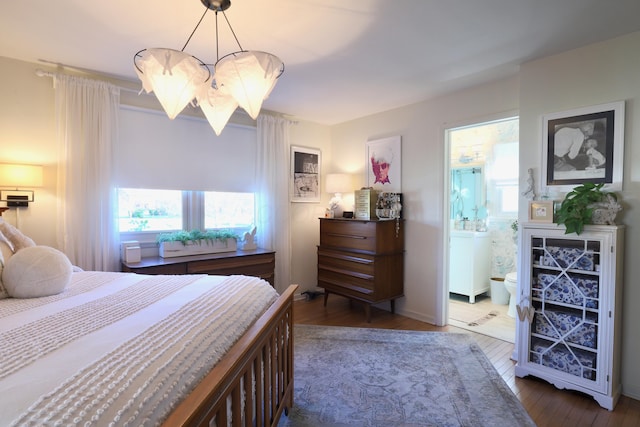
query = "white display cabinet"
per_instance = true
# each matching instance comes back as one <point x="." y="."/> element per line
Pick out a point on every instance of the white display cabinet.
<point x="569" y="308"/>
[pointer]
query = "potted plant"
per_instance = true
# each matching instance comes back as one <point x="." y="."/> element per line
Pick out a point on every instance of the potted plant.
<point x="181" y="243"/>
<point x="587" y="204"/>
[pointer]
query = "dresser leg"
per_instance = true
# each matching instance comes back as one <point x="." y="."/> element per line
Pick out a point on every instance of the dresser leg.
<point x="367" y="312"/>
<point x="393" y="306"/>
<point x="326" y="297"/>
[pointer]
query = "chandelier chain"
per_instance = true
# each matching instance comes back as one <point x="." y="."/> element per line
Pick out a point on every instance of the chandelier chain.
<point x="194" y="30"/>
<point x="217" y="35"/>
<point x="231" y="28"/>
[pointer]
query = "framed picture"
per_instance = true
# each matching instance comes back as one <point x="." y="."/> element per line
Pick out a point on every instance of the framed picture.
<point x="305" y="174"/>
<point x="384" y="164"/>
<point x="584" y="145"/>
<point x="541" y="211"/>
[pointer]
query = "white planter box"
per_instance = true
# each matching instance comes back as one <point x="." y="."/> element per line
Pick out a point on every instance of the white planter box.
<point x="174" y="249"/>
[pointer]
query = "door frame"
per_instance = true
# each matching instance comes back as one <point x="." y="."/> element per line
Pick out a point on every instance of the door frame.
<point x="441" y="317"/>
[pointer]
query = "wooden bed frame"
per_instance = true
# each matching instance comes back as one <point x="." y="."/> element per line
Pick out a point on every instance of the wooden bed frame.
<point x="253" y="383"/>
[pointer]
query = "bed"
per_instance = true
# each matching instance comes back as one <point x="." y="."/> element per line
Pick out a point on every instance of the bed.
<point x="131" y="349"/>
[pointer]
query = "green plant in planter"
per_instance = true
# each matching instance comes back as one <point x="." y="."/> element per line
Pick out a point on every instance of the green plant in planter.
<point x="197" y="236"/>
<point x="578" y="206"/>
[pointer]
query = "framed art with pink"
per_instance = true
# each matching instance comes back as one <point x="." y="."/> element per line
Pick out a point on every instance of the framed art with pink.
<point x="384" y="164"/>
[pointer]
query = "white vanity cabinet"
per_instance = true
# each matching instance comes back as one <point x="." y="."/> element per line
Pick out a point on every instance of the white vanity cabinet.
<point x="569" y="308"/>
<point x="469" y="263"/>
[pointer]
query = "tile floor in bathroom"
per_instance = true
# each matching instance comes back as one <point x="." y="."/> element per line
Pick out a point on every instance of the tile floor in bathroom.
<point x="483" y="317"/>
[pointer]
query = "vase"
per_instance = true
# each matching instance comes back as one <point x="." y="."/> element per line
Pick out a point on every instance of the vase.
<point x="605" y="212"/>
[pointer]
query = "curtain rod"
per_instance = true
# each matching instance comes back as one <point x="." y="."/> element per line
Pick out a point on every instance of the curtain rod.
<point x="42" y="73"/>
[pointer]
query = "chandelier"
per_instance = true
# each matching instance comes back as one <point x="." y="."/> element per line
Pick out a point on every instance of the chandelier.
<point x="243" y="78"/>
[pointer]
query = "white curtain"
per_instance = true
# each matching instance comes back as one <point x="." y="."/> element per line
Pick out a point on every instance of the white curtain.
<point x="87" y="127"/>
<point x="272" y="198"/>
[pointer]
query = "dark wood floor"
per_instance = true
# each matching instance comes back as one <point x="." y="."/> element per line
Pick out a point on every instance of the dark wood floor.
<point x="547" y="405"/>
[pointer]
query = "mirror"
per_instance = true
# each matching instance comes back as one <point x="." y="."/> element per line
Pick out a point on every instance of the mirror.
<point x="468" y="193"/>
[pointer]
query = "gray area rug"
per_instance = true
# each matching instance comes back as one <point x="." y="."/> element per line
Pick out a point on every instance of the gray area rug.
<point x="379" y="377"/>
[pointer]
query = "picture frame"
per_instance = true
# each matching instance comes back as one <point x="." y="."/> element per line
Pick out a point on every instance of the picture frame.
<point x="306" y="164"/>
<point x="384" y="164"/>
<point x="583" y="145"/>
<point x="541" y="211"/>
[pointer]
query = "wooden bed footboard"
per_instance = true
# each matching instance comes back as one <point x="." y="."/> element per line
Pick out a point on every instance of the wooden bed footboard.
<point x="253" y="383"/>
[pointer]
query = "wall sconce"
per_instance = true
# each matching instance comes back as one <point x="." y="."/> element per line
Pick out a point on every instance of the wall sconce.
<point x="19" y="176"/>
<point x="338" y="183"/>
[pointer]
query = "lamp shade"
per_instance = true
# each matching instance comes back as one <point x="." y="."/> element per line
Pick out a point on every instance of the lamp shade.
<point x="20" y="176"/>
<point x="174" y="77"/>
<point x="338" y="183"/>
<point x="250" y="77"/>
<point x="217" y="105"/>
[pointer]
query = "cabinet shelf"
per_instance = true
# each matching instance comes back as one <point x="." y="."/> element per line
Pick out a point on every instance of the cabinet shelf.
<point x="574" y="284"/>
<point x="567" y="270"/>
<point x="561" y="304"/>
<point x="567" y="343"/>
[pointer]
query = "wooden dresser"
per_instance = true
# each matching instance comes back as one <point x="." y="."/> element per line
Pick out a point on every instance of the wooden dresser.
<point x="362" y="260"/>
<point x="258" y="262"/>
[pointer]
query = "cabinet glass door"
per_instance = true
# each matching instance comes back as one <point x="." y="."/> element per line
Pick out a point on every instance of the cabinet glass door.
<point x="566" y="296"/>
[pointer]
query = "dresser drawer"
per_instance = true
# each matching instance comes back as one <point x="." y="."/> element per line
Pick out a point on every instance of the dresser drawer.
<point x="262" y="265"/>
<point x="228" y="266"/>
<point x="354" y="262"/>
<point x="258" y="262"/>
<point x="360" y="286"/>
<point x="356" y="235"/>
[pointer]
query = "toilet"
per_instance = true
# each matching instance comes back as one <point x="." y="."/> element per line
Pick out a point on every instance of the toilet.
<point x="511" y="283"/>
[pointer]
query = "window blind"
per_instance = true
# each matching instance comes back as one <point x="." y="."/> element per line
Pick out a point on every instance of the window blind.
<point x="183" y="154"/>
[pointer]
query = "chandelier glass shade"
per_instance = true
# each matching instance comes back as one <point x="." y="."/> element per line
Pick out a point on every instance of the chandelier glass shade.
<point x="249" y="76"/>
<point x="217" y="104"/>
<point x="174" y="77"/>
<point x="243" y="78"/>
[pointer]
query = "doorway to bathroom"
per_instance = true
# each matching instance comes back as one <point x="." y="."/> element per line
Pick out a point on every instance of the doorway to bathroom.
<point x="482" y="188"/>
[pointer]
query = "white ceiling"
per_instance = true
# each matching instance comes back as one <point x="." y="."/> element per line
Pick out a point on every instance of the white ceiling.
<point x="344" y="59"/>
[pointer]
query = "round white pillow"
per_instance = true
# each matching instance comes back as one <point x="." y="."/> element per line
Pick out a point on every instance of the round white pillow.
<point x="36" y="271"/>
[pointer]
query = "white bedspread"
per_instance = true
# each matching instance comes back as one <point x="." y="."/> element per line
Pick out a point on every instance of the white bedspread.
<point x="119" y="348"/>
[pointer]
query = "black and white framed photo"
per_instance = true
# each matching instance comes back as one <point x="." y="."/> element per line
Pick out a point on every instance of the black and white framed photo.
<point x="305" y="174"/>
<point x="584" y="145"/>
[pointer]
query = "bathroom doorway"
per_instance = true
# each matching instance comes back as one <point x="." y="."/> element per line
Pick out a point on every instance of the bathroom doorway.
<point x="482" y="189"/>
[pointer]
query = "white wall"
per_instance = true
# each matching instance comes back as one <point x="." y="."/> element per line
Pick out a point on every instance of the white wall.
<point x="305" y="226"/>
<point x="597" y="74"/>
<point x="422" y="129"/>
<point x="27" y="135"/>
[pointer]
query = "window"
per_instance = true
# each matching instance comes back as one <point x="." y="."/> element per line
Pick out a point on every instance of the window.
<point x="228" y="210"/>
<point x="154" y="201"/>
<point x="149" y="210"/>
<point x="143" y="213"/>
<point x="504" y="177"/>
<point x="507" y="196"/>
<point x="484" y="169"/>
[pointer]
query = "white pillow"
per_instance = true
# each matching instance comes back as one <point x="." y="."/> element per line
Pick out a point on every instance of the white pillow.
<point x="3" y="291"/>
<point x="15" y="238"/>
<point x="6" y="248"/>
<point x="36" y="271"/>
